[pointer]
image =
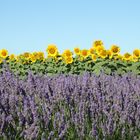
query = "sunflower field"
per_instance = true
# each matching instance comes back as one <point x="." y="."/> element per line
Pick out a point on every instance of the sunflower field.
<point x="84" y="94"/>
<point x="93" y="60"/>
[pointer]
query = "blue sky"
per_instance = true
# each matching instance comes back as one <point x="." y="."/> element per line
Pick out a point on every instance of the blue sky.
<point x="30" y="25"/>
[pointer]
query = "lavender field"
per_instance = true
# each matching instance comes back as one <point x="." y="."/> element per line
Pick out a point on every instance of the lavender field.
<point x="70" y="107"/>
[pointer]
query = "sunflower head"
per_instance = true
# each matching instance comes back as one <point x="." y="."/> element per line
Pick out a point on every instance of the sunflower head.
<point x="69" y="60"/>
<point x="97" y="43"/>
<point x="12" y="57"/>
<point x="127" y="56"/>
<point x="33" y="58"/>
<point x="35" y="54"/>
<point x="84" y="53"/>
<point x="26" y="55"/>
<point x="52" y="50"/>
<point x="77" y="51"/>
<point x="99" y="48"/>
<point x="115" y="49"/>
<point x="40" y="55"/>
<point x="92" y="51"/>
<point x="136" y="53"/>
<point x="67" y="53"/>
<point x="103" y="54"/>
<point x="3" y="53"/>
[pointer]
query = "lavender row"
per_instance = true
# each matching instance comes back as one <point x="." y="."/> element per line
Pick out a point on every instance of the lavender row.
<point x="80" y="107"/>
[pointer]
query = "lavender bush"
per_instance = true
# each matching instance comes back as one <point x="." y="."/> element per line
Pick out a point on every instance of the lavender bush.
<point x="70" y="107"/>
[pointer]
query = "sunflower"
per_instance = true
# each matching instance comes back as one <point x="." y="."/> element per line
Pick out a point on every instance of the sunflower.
<point x="99" y="48"/>
<point x="67" y="53"/>
<point x="33" y="58"/>
<point x="84" y="53"/>
<point x="94" y="57"/>
<point x="103" y="54"/>
<point x="91" y="51"/>
<point x="35" y="54"/>
<point x="3" y="53"/>
<point x="115" y="49"/>
<point x="26" y="55"/>
<point x="52" y="50"/>
<point x="127" y="56"/>
<point x="69" y="60"/>
<point x="136" y="53"/>
<point x="12" y="57"/>
<point x="77" y="51"/>
<point x="40" y="56"/>
<point x="97" y="43"/>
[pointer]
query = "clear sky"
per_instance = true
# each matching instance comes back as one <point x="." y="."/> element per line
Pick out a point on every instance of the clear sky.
<point x="30" y="25"/>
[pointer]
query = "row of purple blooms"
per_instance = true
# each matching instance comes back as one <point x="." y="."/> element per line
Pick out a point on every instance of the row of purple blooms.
<point x="69" y="106"/>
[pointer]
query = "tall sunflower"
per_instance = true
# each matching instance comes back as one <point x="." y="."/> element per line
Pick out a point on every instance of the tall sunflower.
<point x="97" y="43"/>
<point x="77" y="51"/>
<point x="85" y="53"/>
<point x="69" y="60"/>
<point x="92" y="51"/>
<point x="127" y="56"/>
<point x="3" y="53"/>
<point x="115" y="49"/>
<point x="103" y="54"/>
<point x="136" y="53"/>
<point x="99" y="48"/>
<point x="26" y="55"/>
<point x="67" y="53"/>
<point x="12" y="57"/>
<point x="33" y="58"/>
<point x="40" y="55"/>
<point x="52" y="50"/>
